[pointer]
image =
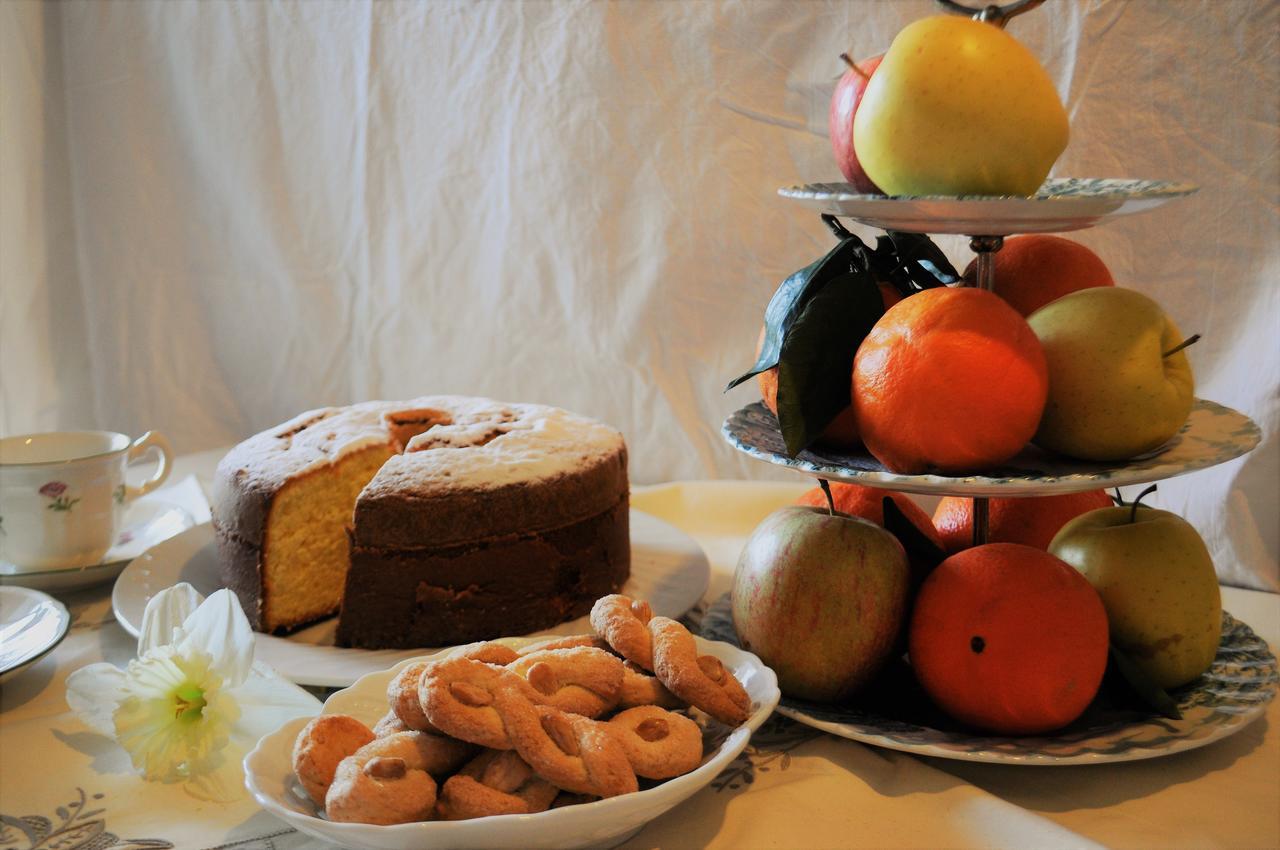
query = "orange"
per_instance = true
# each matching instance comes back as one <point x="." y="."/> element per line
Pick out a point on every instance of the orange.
<point x="1032" y="521"/>
<point x="1032" y="270"/>
<point x="868" y="503"/>
<point x="949" y="380"/>
<point x="1009" y="639"/>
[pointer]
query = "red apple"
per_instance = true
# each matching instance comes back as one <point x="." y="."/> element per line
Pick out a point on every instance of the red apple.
<point x="844" y="103"/>
<point x="821" y="598"/>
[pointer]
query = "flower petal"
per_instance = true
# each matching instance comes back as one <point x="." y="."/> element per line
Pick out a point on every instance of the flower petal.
<point x="221" y="781"/>
<point x="93" y="692"/>
<point x="220" y="628"/>
<point x="267" y="702"/>
<point x="166" y="611"/>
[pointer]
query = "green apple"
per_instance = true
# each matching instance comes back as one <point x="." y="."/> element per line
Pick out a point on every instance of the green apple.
<point x="821" y="598"/>
<point x="959" y="107"/>
<point x="1117" y="387"/>
<point x="1157" y="582"/>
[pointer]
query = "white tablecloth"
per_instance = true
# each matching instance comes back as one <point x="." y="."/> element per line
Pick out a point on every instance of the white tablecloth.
<point x="794" y="787"/>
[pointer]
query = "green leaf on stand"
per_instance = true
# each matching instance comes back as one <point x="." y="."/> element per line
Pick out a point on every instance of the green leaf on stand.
<point x="1123" y="673"/>
<point x="816" y="359"/>
<point x="911" y="262"/>
<point x="790" y="299"/>
<point x="923" y="555"/>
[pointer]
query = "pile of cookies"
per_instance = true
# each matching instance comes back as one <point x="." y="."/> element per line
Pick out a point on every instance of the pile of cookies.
<point x="488" y="730"/>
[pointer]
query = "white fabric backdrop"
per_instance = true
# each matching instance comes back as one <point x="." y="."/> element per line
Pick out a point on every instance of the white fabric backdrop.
<point x="215" y="215"/>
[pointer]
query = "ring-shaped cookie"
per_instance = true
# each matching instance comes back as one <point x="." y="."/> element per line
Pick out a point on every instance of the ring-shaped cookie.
<point x="389" y="780"/>
<point x="321" y="746"/>
<point x="659" y="744"/>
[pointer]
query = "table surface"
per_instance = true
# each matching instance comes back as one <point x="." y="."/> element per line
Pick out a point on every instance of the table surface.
<point x="793" y="787"/>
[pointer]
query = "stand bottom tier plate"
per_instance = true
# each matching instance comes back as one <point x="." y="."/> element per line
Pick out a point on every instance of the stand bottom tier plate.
<point x="1231" y="694"/>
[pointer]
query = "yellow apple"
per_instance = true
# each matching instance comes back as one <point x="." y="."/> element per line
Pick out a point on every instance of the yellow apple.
<point x="1157" y="582"/>
<point x="1114" y="390"/>
<point x="959" y="107"/>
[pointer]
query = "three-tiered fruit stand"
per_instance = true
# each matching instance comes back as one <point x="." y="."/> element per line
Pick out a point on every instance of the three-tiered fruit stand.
<point x="1244" y="675"/>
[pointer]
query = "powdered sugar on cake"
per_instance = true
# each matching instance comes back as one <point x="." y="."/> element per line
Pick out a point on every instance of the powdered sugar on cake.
<point x="492" y="444"/>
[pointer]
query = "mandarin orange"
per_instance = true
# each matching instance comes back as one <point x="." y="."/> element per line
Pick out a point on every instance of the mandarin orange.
<point x="1007" y="638"/>
<point x="1032" y="270"/>
<point x="949" y="380"/>
<point x="1033" y="520"/>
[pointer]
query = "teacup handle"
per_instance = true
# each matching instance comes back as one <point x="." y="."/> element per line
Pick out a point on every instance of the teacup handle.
<point x="150" y="441"/>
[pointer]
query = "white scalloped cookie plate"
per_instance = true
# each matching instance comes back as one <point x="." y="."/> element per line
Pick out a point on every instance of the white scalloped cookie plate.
<point x="604" y="823"/>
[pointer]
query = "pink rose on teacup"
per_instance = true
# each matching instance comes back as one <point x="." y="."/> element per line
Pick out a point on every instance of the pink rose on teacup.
<point x="53" y="489"/>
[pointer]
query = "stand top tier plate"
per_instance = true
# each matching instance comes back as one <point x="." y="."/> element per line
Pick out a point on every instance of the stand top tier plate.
<point x="1213" y="434"/>
<point x="1062" y="204"/>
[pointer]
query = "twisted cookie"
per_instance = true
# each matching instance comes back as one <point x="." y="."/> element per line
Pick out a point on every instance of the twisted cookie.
<point x="488" y="651"/>
<point x="582" y="680"/>
<point x="458" y="697"/>
<point x="496" y="782"/>
<point x="659" y="744"/>
<point x="702" y="681"/>
<point x="390" y="779"/>
<point x="565" y="643"/>
<point x="639" y="688"/>
<point x="622" y="622"/>
<point x="321" y="746"/>
<point x="569" y="751"/>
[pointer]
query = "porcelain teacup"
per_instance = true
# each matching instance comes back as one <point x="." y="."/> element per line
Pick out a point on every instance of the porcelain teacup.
<point x="63" y="494"/>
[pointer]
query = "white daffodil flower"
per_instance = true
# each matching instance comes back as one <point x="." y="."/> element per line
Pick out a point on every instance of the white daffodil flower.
<point x="193" y="702"/>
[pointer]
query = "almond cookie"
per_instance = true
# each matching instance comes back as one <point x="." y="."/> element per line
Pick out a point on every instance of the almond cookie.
<point x="568" y="750"/>
<point x="660" y="744"/>
<point x="387" y="781"/>
<point x="457" y="696"/>
<point x="622" y="622"/>
<point x="700" y="680"/>
<point x="496" y="782"/>
<point x="321" y="746"/>
<point x="581" y="680"/>
<point x="639" y="688"/>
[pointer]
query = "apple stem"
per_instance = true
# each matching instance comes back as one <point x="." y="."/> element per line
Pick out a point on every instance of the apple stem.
<point x="1118" y="499"/>
<point x="1133" y="514"/>
<point x="1191" y="340"/>
<point x="826" y="489"/>
<point x="854" y="66"/>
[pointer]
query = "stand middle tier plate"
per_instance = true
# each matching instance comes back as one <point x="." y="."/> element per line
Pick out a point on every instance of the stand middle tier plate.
<point x="1213" y="434"/>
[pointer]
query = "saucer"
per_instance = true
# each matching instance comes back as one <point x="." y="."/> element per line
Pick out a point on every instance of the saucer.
<point x="146" y="523"/>
<point x="31" y="624"/>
